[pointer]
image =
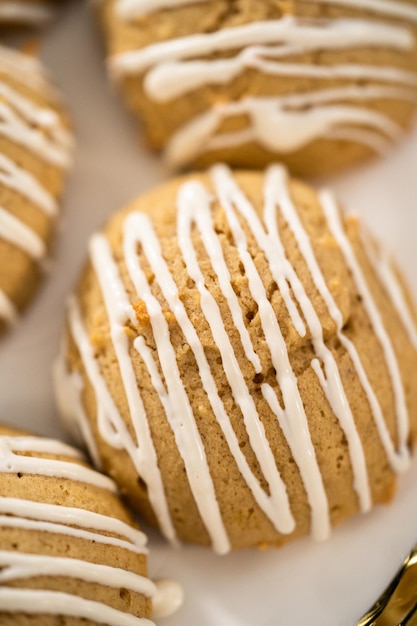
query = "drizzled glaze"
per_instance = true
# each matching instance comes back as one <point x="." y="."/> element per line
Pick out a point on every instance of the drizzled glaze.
<point x="176" y="67"/>
<point x="194" y="210"/>
<point x="39" y="131"/>
<point x="24" y="12"/>
<point x="72" y="522"/>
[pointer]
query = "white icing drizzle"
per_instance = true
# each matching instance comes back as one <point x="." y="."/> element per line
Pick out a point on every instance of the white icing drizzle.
<point x="8" y="311"/>
<point x="28" y="70"/>
<point x="56" y="149"/>
<point x="383" y="267"/>
<point x="176" y="67"/>
<point x="139" y="228"/>
<point x="142" y="453"/>
<point x="277" y="127"/>
<point x="59" y="603"/>
<point x="295" y="33"/>
<point x="40" y="131"/>
<point x="24" y="12"/>
<point x="331" y="211"/>
<point x="20" y="235"/>
<point x="13" y="463"/>
<point x="63" y="519"/>
<point x="389" y="8"/>
<point x="398" y="460"/>
<point x="31" y="515"/>
<point x="329" y="377"/>
<point x="194" y="206"/>
<point x="21" y="181"/>
<point x="128" y="9"/>
<point x="18" y="566"/>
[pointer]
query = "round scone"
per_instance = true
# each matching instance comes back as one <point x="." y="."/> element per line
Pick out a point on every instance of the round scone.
<point x="317" y="84"/>
<point x="70" y="552"/>
<point x="242" y="363"/>
<point x="35" y="152"/>
<point x="25" y="12"/>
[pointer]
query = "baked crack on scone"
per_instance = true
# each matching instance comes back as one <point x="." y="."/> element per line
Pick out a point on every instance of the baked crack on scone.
<point x="241" y="358"/>
<point x="70" y="552"/>
<point x="36" y="147"/>
<point x="316" y="84"/>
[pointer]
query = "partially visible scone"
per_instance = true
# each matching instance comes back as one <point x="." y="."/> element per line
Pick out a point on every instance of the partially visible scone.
<point x="241" y="360"/>
<point x="25" y="12"/>
<point x="317" y="84"/>
<point x="70" y="553"/>
<point x="35" y="153"/>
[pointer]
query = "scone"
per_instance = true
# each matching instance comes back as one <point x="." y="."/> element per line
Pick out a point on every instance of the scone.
<point x="241" y="360"/>
<point x="69" y="550"/>
<point x="317" y="84"/>
<point x="35" y="153"/>
<point x="25" y="12"/>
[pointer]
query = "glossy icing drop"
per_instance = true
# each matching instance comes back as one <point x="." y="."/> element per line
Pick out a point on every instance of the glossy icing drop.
<point x="194" y="214"/>
<point x="176" y="67"/>
<point x="72" y="522"/>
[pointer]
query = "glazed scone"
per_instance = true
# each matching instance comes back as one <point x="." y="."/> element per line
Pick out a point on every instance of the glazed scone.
<point x="316" y="84"/>
<point x="240" y="361"/>
<point x="25" y="12"/>
<point x="70" y="552"/>
<point x="36" y="147"/>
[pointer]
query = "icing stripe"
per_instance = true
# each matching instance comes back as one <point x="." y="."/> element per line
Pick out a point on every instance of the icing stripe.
<point x="21" y="181"/>
<point x="62" y="529"/>
<point x="277" y="126"/>
<point x="173" y="79"/>
<point x="17" y="233"/>
<point x="389" y="8"/>
<point x="277" y="505"/>
<point x="8" y="311"/>
<point x="58" y="603"/>
<point x="336" y="34"/>
<point x="24" y="12"/>
<point x="142" y="454"/>
<point x="11" y="463"/>
<point x="399" y="460"/>
<point x="333" y="218"/>
<point x="20" y="566"/>
<point x="27" y="70"/>
<point x="70" y="516"/>
<point x="129" y="9"/>
<point x="383" y="267"/>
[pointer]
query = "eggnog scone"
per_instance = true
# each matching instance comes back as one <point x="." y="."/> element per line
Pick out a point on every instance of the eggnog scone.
<point x="242" y="362"/>
<point x="317" y="84"/>
<point x="70" y="552"/>
<point x="35" y="153"/>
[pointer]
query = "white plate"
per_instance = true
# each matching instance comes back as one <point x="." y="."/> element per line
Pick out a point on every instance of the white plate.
<point x="326" y="584"/>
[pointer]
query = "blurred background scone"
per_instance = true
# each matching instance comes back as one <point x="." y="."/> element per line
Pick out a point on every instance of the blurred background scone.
<point x="70" y="552"/>
<point x="241" y="360"/>
<point x="36" y="147"/>
<point x="317" y="84"/>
